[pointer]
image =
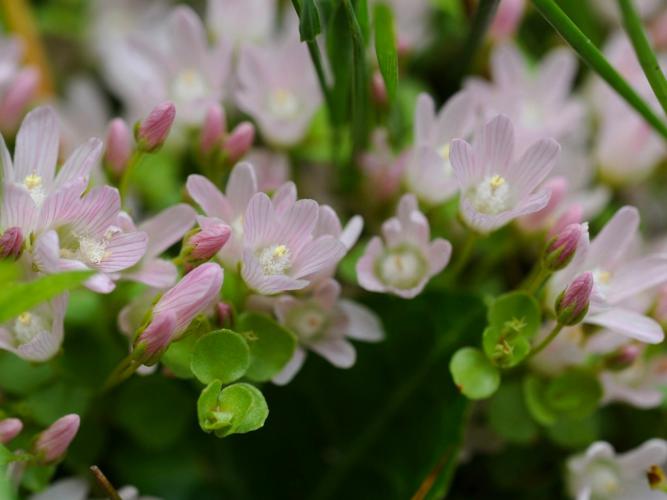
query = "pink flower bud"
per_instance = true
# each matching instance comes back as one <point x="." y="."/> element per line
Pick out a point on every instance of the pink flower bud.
<point x="507" y="18"/>
<point x="9" y="429"/>
<point x="156" y="337"/>
<point x="153" y="131"/>
<point x="561" y="248"/>
<point x="21" y="91"/>
<point x="11" y="243"/>
<point x="213" y="128"/>
<point x="203" y="243"/>
<point x="225" y="313"/>
<point x="623" y="357"/>
<point x="379" y="89"/>
<point x="240" y="139"/>
<point x="118" y="146"/>
<point x="53" y="442"/>
<point x="539" y="220"/>
<point x="572" y="304"/>
<point x="573" y="215"/>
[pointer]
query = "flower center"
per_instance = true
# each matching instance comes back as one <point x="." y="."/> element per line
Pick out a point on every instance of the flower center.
<point x="604" y="480"/>
<point x="402" y="268"/>
<point x="27" y="326"/>
<point x="602" y="280"/>
<point x="492" y="195"/>
<point x="93" y="250"/>
<point x="189" y="85"/>
<point x="283" y="103"/>
<point x="275" y="259"/>
<point x="308" y="322"/>
<point x="237" y="227"/>
<point x="34" y="184"/>
<point x="444" y="151"/>
<point x="531" y="115"/>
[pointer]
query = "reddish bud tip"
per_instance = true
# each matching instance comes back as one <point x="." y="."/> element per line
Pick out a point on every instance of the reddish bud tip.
<point x="9" y="429"/>
<point x="52" y="443"/>
<point x="213" y="128"/>
<point x="225" y="313"/>
<point x="153" y="131"/>
<point x="561" y="248"/>
<point x="156" y="337"/>
<point x="572" y="304"/>
<point x="379" y="89"/>
<point x="239" y="141"/>
<point x="19" y="94"/>
<point x="118" y="146"/>
<point x="11" y="243"/>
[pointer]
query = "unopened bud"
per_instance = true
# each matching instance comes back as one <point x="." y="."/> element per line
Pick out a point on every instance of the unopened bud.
<point x="560" y="250"/>
<point x="118" y="146"/>
<point x="203" y="243"/>
<point x="9" y="429"/>
<point x="213" y="128"/>
<point x="11" y="243"/>
<point x="557" y="186"/>
<point x="573" y="215"/>
<point x="151" y="133"/>
<point x="507" y="18"/>
<point x="155" y="339"/>
<point x="623" y="357"/>
<point x="239" y="141"/>
<point x="225" y="314"/>
<point x="53" y="442"/>
<point x="21" y="91"/>
<point x="572" y="304"/>
<point x="379" y="89"/>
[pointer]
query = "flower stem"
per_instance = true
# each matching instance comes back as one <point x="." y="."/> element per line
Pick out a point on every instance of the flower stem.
<point x="132" y="164"/>
<point x="123" y="371"/>
<point x="464" y="256"/>
<point x="104" y="483"/>
<point x="542" y="345"/>
<point x="537" y="280"/>
<point x="480" y="23"/>
<point x="592" y="56"/>
<point x="645" y="54"/>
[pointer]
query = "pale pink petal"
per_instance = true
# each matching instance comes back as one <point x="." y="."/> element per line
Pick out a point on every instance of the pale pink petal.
<point x="167" y="227"/>
<point x="464" y="164"/>
<point x="534" y="166"/>
<point x="209" y="197"/>
<point x="37" y="142"/>
<point x="366" y="267"/>
<point x="639" y="397"/>
<point x="439" y="253"/>
<point x="283" y="305"/>
<point x="429" y="176"/>
<point x="47" y="253"/>
<point x="393" y="233"/>
<point x="7" y="166"/>
<point x="629" y="323"/>
<point x="424" y="119"/>
<point x="639" y="460"/>
<point x="352" y="231"/>
<point x="363" y="324"/>
<point x="297" y="224"/>
<point x="326" y="294"/>
<point x="291" y="368"/>
<point x="507" y="66"/>
<point x="63" y="205"/>
<point x="156" y="273"/>
<point x="556" y="74"/>
<point x="284" y="197"/>
<point x="80" y="162"/>
<point x="338" y="352"/>
<point x="187" y="36"/>
<point x="611" y="244"/>
<point x="494" y="146"/>
<point x="242" y="184"/>
<point x="322" y="253"/>
<point x="258" y="222"/>
<point x="97" y="211"/>
<point x="637" y="276"/>
<point x="18" y="208"/>
<point x="327" y="222"/>
<point x="123" y="251"/>
<point x="456" y="118"/>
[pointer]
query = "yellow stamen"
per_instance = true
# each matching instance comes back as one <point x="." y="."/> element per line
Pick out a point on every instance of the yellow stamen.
<point x="444" y="151"/>
<point x="32" y="181"/>
<point x="496" y="181"/>
<point x="25" y="318"/>
<point x="604" y="277"/>
<point x="280" y="251"/>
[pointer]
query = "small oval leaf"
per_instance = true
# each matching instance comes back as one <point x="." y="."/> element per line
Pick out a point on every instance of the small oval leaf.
<point x="222" y="355"/>
<point x="474" y="374"/>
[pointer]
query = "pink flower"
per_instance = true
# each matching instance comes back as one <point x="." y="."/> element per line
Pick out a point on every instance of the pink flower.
<point x="407" y="259"/>
<point x="618" y="278"/>
<point x="11" y="243"/>
<point x="52" y="443"/>
<point x="496" y="188"/>
<point x="383" y="168"/>
<point x="241" y="22"/>
<point x="205" y="243"/>
<point x="9" y="429"/>
<point x="118" y="146"/>
<point x="163" y="230"/>
<point x="271" y="168"/>
<point x="279" y="89"/>
<point x="429" y="172"/>
<point x="213" y="129"/>
<point x="639" y="385"/>
<point x="281" y="251"/>
<point x="191" y="296"/>
<point x="507" y="19"/>
<point x="239" y="141"/>
<point x="544" y="219"/>
<point x="36" y="335"/>
<point x="154" y="129"/>
<point x="323" y="323"/>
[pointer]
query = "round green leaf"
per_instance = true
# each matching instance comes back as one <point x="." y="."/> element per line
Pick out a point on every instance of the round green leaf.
<point x="575" y="433"/>
<point x="575" y="394"/>
<point x="509" y="416"/>
<point x="223" y="355"/>
<point x="533" y="392"/>
<point x="271" y="345"/>
<point x="516" y="310"/>
<point x="473" y="373"/>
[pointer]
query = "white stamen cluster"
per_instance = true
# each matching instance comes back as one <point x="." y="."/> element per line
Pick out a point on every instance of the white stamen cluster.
<point x="188" y="86"/>
<point x="402" y="268"/>
<point x="275" y="259"/>
<point x="27" y="326"/>
<point x="283" y="103"/>
<point x="35" y="187"/>
<point x="308" y="322"/>
<point x="604" y="480"/>
<point x="492" y="195"/>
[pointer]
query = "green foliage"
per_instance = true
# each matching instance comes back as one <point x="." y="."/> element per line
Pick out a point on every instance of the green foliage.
<point x="509" y="416"/>
<point x="309" y="21"/>
<point x="385" y="47"/>
<point x="474" y="374"/>
<point x="236" y="409"/>
<point x="18" y="376"/>
<point x="6" y="488"/>
<point x="271" y="345"/>
<point x="222" y="355"/>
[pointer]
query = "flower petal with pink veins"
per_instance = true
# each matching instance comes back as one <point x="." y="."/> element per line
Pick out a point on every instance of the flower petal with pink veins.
<point x="37" y="143"/>
<point x="629" y="323"/>
<point x="209" y="197"/>
<point x="167" y="227"/>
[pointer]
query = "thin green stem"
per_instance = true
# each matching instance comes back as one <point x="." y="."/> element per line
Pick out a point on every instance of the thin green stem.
<point x="592" y="56"/>
<point x="537" y="280"/>
<point x="125" y="369"/>
<point x="125" y="179"/>
<point x="480" y="24"/>
<point x="645" y="54"/>
<point x="464" y="256"/>
<point x="542" y="345"/>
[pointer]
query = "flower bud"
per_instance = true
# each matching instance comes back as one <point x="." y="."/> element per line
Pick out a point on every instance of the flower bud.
<point x="53" y="442"/>
<point x="572" y="304"/>
<point x="225" y="314"/>
<point x="19" y="94"/>
<point x="118" y="146"/>
<point x="11" y="243"/>
<point x="239" y="140"/>
<point x="623" y="357"/>
<point x="507" y="18"/>
<point x="203" y="243"/>
<point x="213" y="128"/>
<point x="573" y="215"/>
<point x="151" y="133"/>
<point x="9" y="429"/>
<point x="155" y="339"/>
<point x="379" y="89"/>
<point x="560" y="250"/>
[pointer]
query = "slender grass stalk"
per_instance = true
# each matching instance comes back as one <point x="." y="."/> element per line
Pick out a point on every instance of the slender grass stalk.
<point x="645" y="54"/>
<point x="104" y="483"/>
<point x="592" y="56"/>
<point x="480" y="24"/>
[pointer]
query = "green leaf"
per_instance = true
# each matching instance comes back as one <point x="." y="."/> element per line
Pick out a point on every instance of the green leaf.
<point x="237" y="409"/>
<point x="360" y="80"/>
<point x="6" y="487"/>
<point x="505" y="347"/>
<point x="309" y="21"/>
<point x="533" y="392"/>
<point x="508" y="414"/>
<point x="223" y="355"/>
<point x="592" y="56"/>
<point x="518" y="309"/>
<point x="361" y="10"/>
<point x="21" y="297"/>
<point x="474" y="374"/>
<point x="37" y="477"/>
<point x="18" y="376"/>
<point x="575" y="433"/>
<point x="385" y="47"/>
<point x="179" y="356"/>
<point x="271" y="345"/>
<point x="575" y="393"/>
